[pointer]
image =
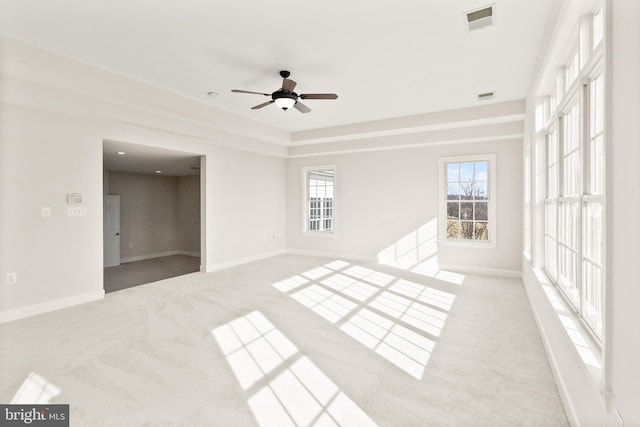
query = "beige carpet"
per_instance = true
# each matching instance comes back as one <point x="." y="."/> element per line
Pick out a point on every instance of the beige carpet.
<point x="291" y="340"/>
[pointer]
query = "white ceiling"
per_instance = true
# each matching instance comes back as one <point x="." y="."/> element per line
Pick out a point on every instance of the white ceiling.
<point x="148" y="160"/>
<point x="383" y="58"/>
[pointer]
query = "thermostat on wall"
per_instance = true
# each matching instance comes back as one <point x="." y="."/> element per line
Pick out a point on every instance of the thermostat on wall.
<point x="74" y="199"/>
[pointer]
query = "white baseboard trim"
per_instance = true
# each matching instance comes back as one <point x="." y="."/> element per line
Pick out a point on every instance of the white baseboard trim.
<point x="362" y="258"/>
<point x="158" y="255"/>
<point x="512" y="274"/>
<point x="239" y="261"/>
<point x="45" y="307"/>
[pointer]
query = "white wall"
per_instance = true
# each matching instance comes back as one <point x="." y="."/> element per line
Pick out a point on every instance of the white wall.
<point x="612" y="398"/>
<point x="52" y="125"/>
<point x="188" y="216"/>
<point x="624" y="176"/>
<point x="386" y="197"/>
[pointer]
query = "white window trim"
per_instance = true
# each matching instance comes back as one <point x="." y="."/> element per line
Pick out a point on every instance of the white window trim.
<point x="442" y="207"/>
<point x="304" y="210"/>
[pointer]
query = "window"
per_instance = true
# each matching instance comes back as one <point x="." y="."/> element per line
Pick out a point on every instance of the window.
<point x="571" y="70"/>
<point x="593" y="209"/>
<point x="551" y="204"/>
<point x="574" y="201"/>
<point x="319" y="200"/>
<point x="466" y="203"/>
<point x="597" y="32"/>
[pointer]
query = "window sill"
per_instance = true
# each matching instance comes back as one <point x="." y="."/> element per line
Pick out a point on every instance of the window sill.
<point x="322" y="234"/>
<point x="586" y="349"/>
<point x="468" y="244"/>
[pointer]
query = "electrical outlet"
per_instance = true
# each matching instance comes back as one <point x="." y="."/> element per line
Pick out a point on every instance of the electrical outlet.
<point x="77" y="211"/>
<point x="46" y="212"/>
<point x="12" y="278"/>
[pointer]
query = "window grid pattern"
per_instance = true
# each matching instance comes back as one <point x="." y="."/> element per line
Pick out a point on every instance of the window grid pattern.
<point x="320" y="200"/>
<point x="593" y="209"/>
<point x="568" y="205"/>
<point x="467" y="200"/>
<point x="551" y="204"/>
<point x="574" y="200"/>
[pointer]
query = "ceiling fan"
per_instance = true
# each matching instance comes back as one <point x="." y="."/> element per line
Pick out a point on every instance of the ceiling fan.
<point x="286" y="98"/>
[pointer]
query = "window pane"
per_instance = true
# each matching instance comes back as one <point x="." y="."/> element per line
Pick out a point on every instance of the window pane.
<point x="481" y="231"/>
<point x="481" y="171"/>
<point x="480" y="191"/>
<point x="572" y="69"/>
<point x="567" y="250"/>
<point x="466" y="172"/>
<point x="466" y="190"/>
<point x="466" y="229"/>
<point x="596" y="141"/>
<point x="552" y="164"/>
<point x="453" y="229"/>
<point x="571" y="153"/>
<point x="466" y="210"/>
<point x="550" y="258"/>
<point x="598" y="28"/>
<point x="593" y="232"/>
<point x="480" y="213"/>
<point x="453" y="172"/>
<point x="550" y="242"/>
<point x="453" y="210"/>
<point x="592" y="309"/>
<point x="453" y="191"/>
<point x="597" y="104"/>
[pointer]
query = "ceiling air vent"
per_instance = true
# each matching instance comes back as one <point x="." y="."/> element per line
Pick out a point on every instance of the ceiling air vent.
<point x="485" y="96"/>
<point x="480" y="18"/>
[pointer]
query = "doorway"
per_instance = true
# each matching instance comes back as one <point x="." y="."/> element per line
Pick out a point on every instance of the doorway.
<point x="158" y="222"/>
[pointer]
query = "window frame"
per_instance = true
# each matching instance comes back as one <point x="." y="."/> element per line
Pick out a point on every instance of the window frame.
<point x="491" y="201"/>
<point x="579" y="295"/>
<point x="306" y="217"/>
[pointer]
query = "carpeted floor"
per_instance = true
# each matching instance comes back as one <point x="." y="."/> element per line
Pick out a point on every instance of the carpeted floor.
<point x="146" y="271"/>
<point x="291" y="340"/>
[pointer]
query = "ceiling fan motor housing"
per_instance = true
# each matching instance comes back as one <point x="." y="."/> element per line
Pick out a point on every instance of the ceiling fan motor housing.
<point x="284" y="94"/>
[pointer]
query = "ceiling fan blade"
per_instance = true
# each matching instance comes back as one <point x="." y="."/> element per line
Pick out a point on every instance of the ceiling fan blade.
<point x="318" y="96"/>
<point x="248" y="91"/>
<point x="288" y="85"/>
<point x="301" y="107"/>
<point x="264" y="104"/>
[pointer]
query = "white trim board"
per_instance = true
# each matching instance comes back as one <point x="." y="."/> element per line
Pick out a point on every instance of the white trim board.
<point x="210" y="268"/>
<point x="512" y="274"/>
<point x="362" y="258"/>
<point x="45" y="307"/>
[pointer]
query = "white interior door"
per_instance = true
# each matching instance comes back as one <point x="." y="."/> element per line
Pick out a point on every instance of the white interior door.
<point x="111" y="218"/>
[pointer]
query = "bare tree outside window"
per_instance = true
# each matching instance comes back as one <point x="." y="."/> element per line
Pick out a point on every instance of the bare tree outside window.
<point x="468" y="200"/>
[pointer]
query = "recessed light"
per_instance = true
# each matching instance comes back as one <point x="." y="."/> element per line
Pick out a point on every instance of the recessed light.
<point x="158" y="171"/>
<point x="212" y="93"/>
<point x="120" y="153"/>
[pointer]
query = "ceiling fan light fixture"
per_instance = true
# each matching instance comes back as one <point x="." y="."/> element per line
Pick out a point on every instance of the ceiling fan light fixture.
<point x="285" y="103"/>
